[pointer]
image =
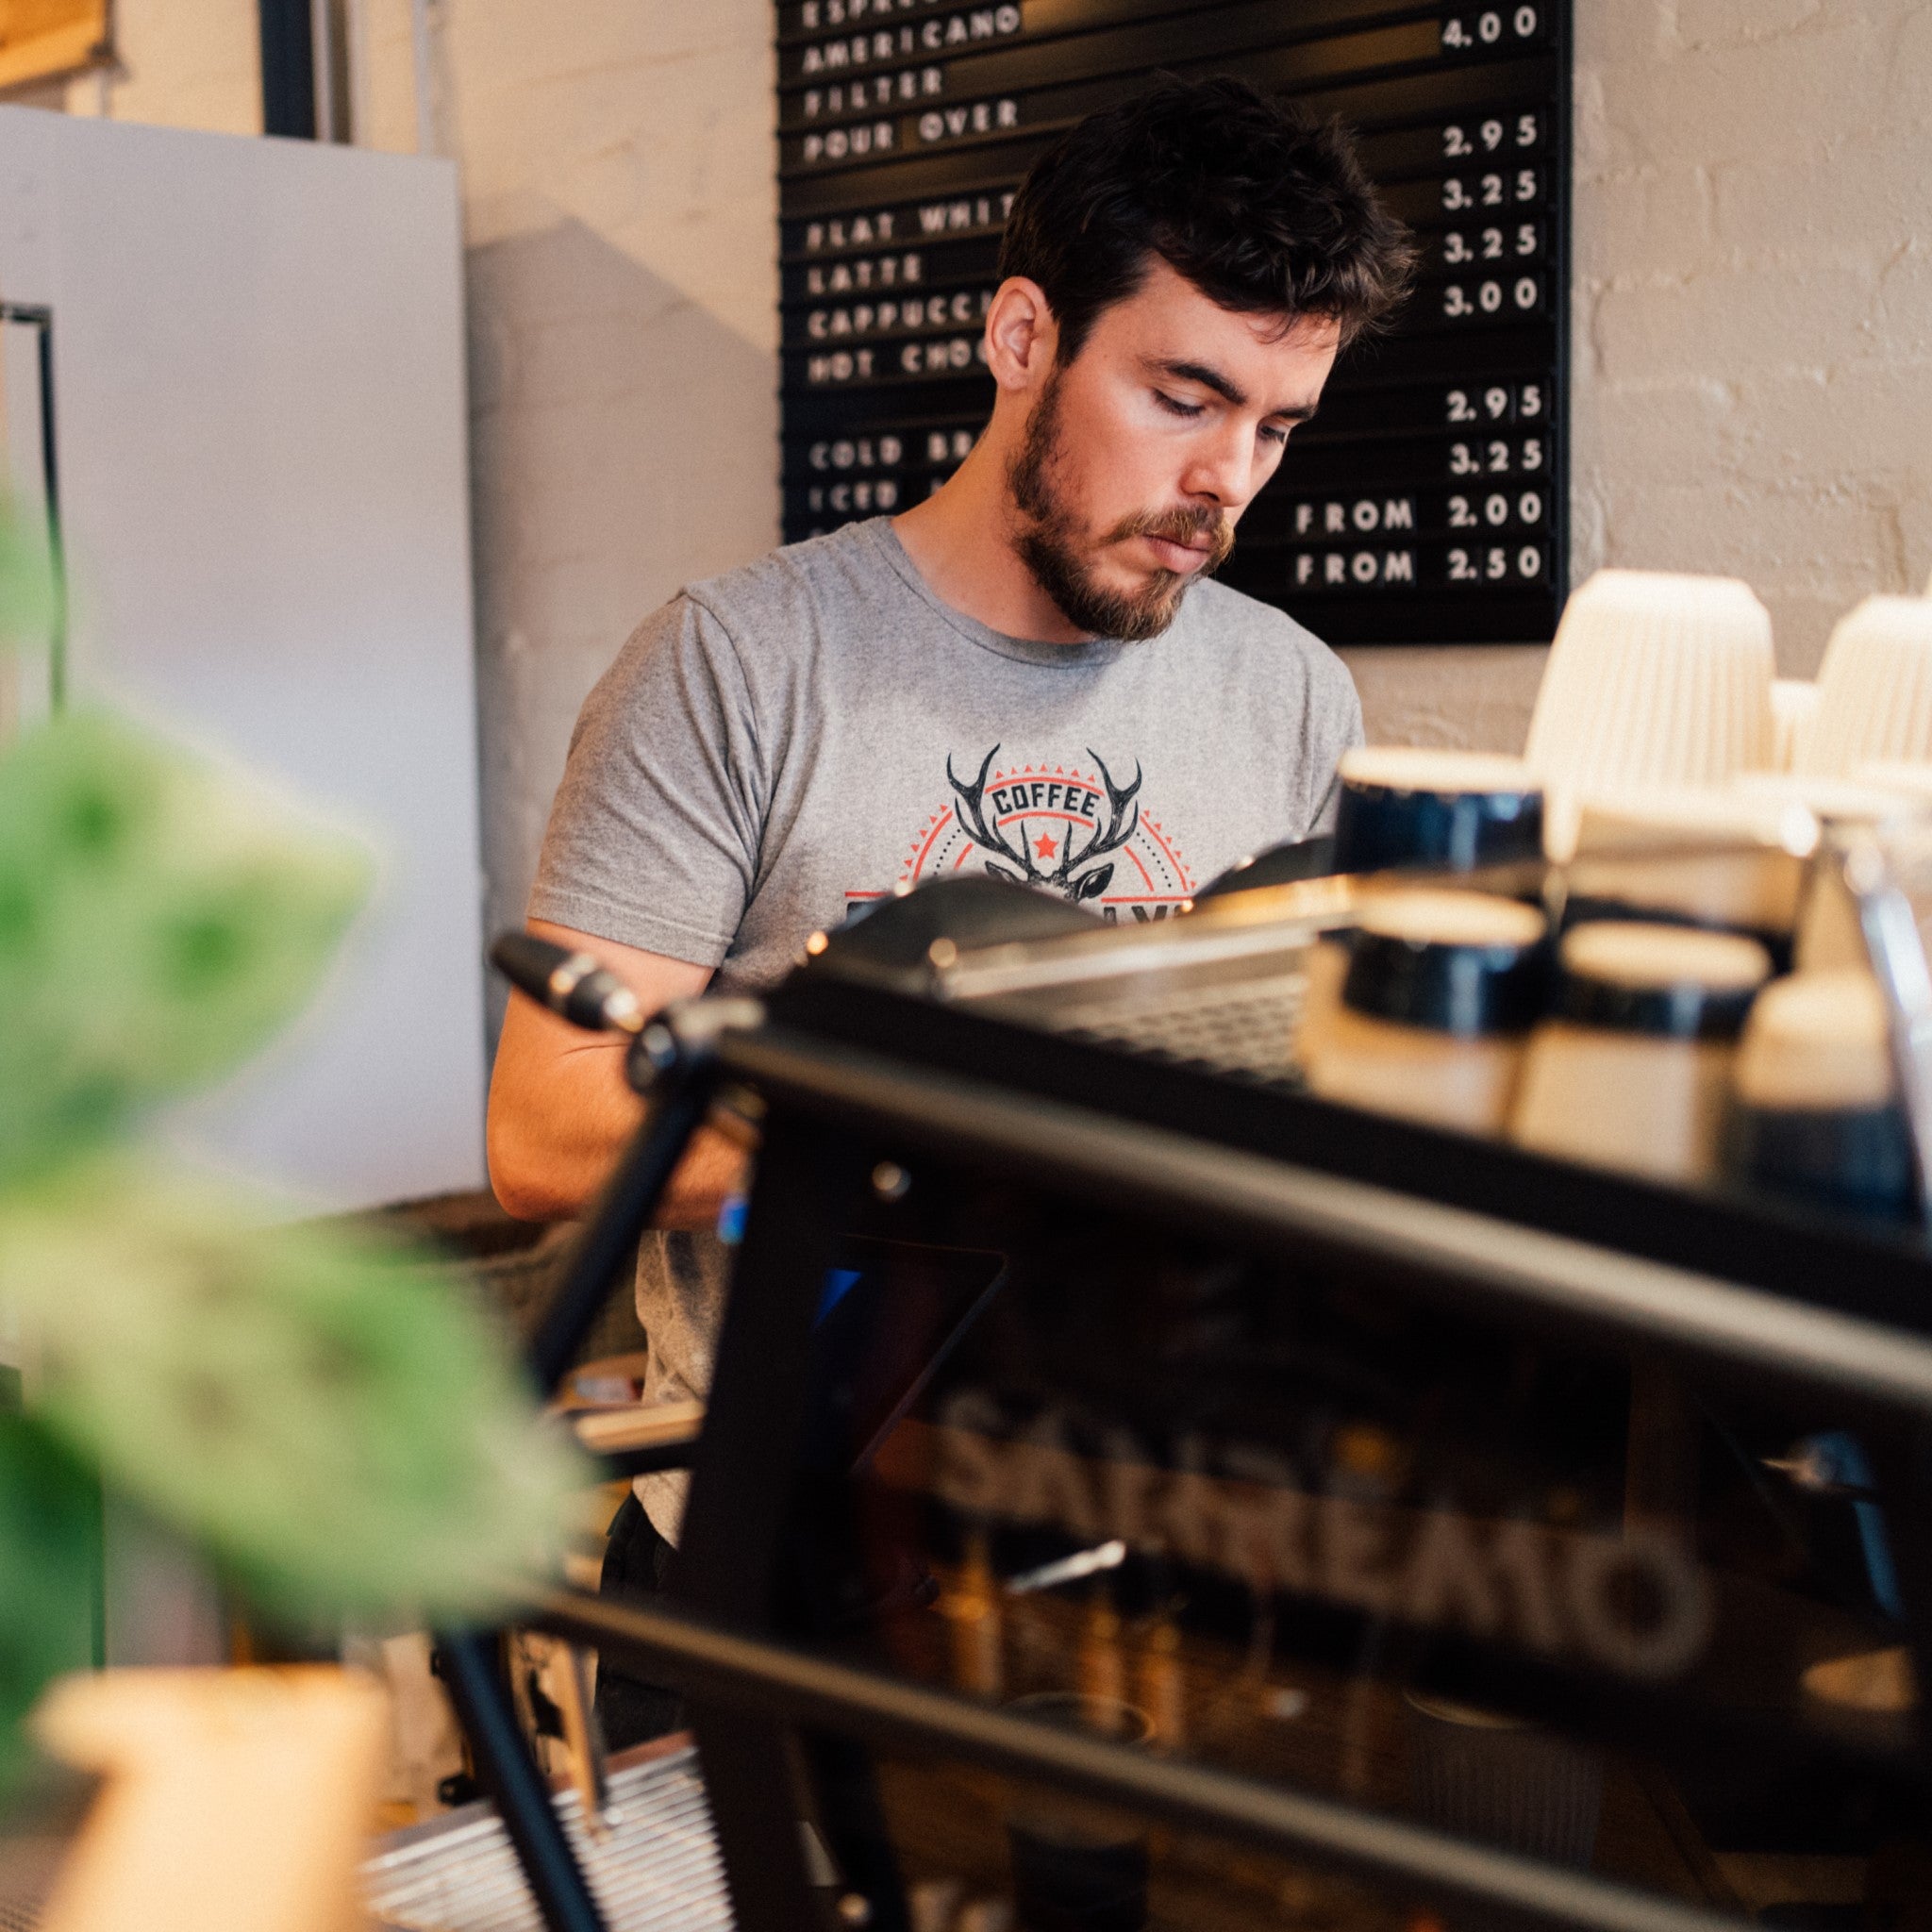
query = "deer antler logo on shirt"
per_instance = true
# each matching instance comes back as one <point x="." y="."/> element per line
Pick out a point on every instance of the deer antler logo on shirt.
<point x="1123" y="817"/>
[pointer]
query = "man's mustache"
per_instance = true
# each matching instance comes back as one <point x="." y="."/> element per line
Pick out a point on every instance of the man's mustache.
<point x="1178" y="526"/>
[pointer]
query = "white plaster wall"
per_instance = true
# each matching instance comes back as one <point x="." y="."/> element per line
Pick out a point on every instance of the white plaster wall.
<point x="178" y="63"/>
<point x="616" y="161"/>
<point x="620" y="218"/>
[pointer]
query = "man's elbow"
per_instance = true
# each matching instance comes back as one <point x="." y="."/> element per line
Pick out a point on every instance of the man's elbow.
<point x="517" y="1177"/>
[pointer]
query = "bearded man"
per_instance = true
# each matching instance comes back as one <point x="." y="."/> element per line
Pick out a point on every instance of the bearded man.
<point x="1030" y="673"/>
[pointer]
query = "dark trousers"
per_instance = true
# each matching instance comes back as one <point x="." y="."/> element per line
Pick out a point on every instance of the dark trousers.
<point x="636" y="1560"/>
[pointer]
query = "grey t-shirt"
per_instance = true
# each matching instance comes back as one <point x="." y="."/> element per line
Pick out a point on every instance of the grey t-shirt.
<point x="780" y="745"/>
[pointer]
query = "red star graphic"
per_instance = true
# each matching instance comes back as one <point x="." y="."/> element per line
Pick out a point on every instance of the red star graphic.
<point x="1044" y="845"/>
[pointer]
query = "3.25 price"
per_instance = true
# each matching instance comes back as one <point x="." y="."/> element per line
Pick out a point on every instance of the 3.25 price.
<point x="1497" y="188"/>
<point x="1502" y="455"/>
<point x="1499" y="241"/>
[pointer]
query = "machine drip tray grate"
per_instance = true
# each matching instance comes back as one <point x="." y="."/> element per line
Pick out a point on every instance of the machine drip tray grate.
<point x="658" y="1866"/>
<point x="1246" y="1028"/>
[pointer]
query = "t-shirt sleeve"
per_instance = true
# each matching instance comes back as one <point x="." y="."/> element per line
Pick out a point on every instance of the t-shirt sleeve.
<point x="1334" y="726"/>
<point x="653" y="840"/>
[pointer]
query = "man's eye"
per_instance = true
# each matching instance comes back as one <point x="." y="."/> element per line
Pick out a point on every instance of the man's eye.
<point x="1270" y="433"/>
<point x="1174" y="406"/>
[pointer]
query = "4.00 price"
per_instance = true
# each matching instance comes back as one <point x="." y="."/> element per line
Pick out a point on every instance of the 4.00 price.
<point x="1468" y="32"/>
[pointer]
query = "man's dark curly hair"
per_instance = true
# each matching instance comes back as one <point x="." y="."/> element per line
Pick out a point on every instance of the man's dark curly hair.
<point x="1261" y="208"/>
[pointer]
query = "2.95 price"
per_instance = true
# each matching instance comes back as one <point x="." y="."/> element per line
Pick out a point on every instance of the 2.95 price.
<point x="1501" y="402"/>
<point x="1460" y="140"/>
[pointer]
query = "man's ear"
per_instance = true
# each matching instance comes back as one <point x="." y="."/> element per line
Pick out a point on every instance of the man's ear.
<point x="1022" y="337"/>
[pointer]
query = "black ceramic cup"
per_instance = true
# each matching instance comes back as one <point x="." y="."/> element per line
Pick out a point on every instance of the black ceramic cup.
<point x="1407" y="806"/>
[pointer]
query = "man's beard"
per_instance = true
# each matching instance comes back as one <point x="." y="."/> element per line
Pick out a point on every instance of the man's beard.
<point x="1054" y="547"/>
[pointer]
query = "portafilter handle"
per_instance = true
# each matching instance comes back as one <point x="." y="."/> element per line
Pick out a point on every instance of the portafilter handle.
<point x="570" y="984"/>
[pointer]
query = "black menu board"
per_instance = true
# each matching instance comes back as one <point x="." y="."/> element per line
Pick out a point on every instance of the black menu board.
<point x="1427" y="503"/>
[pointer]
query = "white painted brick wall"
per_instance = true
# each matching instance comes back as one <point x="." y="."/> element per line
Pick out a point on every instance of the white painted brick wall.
<point x="1753" y="326"/>
<point x="1753" y="302"/>
<point x="1752" y="320"/>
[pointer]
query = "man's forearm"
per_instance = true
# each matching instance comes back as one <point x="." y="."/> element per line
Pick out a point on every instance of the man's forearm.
<point x="549" y="1161"/>
<point x="713" y="1168"/>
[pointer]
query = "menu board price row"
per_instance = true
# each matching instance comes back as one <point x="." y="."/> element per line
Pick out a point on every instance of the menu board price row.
<point x="985" y="51"/>
<point x="1425" y="566"/>
<point x="942" y="443"/>
<point x="1504" y="298"/>
<point x="1496" y="246"/>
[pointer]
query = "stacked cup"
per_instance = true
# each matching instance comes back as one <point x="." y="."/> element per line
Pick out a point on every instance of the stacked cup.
<point x="1422" y="1011"/>
<point x="1875" y="689"/>
<point x="1653" y="679"/>
<point x="1412" y="805"/>
<point x="1632" y="1068"/>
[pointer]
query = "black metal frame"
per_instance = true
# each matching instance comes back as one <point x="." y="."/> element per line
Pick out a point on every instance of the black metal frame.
<point x="757" y="1706"/>
<point x="768" y="1682"/>
<point x="40" y="320"/>
<point x="682" y="1090"/>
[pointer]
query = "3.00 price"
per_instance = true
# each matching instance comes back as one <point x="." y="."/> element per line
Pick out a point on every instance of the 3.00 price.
<point x="1502" y="401"/>
<point x="1497" y="565"/>
<point x="1470" y="32"/>
<point x="1519" y="297"/>
<point x="1500" y="456"/>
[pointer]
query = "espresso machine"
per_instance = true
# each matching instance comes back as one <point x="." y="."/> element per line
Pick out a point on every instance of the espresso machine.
<point x="1135" y="1490"/>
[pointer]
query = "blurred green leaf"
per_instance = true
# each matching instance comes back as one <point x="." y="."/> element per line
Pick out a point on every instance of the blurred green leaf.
<point x="160" y="920"/>
<point x="27" y="581"/>
<point x="49" y="1526"/>
<point x="343" y="1431"/>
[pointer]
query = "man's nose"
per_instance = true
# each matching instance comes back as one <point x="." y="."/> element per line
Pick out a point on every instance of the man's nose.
<point x="1222" y="469"/>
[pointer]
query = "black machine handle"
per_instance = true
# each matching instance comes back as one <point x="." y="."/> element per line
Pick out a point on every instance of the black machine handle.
<point x="571" y="984"/>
